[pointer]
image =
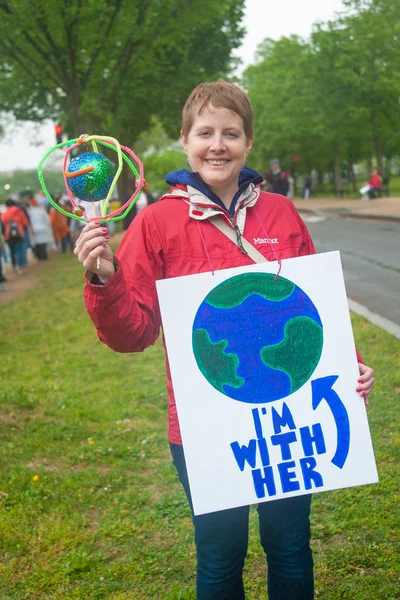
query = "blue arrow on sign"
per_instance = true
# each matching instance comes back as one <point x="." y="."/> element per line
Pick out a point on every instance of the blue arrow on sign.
<point x="322" y="389"/>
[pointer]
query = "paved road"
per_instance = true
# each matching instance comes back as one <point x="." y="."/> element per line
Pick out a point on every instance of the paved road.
<point x="370" y="252"/>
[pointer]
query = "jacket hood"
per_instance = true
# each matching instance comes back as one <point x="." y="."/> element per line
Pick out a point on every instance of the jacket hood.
<point x="188" y="178"/>
<point x="13" y="211"/>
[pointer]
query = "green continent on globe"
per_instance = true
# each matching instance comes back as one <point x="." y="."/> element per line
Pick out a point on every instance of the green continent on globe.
<point x="103" y="170"/>
<point x="298" y="353"/>
<point x="234" y="291"/>
<point x="217" y="367"/>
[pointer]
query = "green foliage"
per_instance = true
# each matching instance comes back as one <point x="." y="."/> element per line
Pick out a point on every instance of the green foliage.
<point x="332" y="101"/>
<point x="20" y="181"/>
<point x="158" y="164"/>
<point x="111" y="67"/>
<point x="282" y="99"/>
<point x="90" y="505"/>
<point x="98" y="65"/>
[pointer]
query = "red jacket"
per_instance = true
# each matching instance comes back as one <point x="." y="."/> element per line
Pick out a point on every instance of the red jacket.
<point x="375" y="181"/>
<point x="172" y="238"/>
<point x="14" y="213"/>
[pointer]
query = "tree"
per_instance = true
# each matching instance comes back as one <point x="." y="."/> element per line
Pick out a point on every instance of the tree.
<point x="336" y="93"/>
<point x="331" y="102"/>
<point x="366" y="55"/>
<point x="375" y="54"/>
<point x="107" y="63"/>
<point x="109" y="66"/>
<point x="281" y="88"/>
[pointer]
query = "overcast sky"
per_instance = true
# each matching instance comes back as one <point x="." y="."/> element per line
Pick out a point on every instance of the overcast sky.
<point x="263" y="18"/>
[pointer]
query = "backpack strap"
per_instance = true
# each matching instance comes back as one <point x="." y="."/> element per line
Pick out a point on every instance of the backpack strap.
<point x="223" y="226"/>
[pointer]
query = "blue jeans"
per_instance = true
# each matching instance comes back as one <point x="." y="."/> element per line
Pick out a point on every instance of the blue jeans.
<point x="16" y="247"/>
<point x="26" y="241"/>
<point x="66" y="242"/>
<point x="373" y="192"/>
<point x="221" y="541"/>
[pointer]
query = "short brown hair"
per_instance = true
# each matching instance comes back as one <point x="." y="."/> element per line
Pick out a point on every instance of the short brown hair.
<point x="220" y="94"/>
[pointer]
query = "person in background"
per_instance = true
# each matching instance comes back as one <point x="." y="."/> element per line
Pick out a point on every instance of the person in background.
<point x="375" y="185"/>
<point x="305" y="193"/>
<point x="172" y="238"/>
<point x="42" y="230"/>
<point x="76" y="226"/>
<point x="75" y="229"/>
<point x="43" y="201"/>
<point x="15" y="221"/>
<point x="23" y="203"/>
<point x="144" y="200"/>
<point x="59" y="222"/>
<point x="277" y="179"/>
<point x="2" y="248"/>
<point x="292" y="187"/>
<point x="66" y="205"/>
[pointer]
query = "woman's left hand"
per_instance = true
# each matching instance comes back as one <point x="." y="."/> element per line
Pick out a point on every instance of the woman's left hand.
<point x="366" y="382"/>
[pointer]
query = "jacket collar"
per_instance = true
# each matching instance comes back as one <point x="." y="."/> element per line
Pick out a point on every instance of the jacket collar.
<point x="186" y="179"/>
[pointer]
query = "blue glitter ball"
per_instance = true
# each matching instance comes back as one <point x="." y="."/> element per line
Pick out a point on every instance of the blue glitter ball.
<point x="95" y="184"/>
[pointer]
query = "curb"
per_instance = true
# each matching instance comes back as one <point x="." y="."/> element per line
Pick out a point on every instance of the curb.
<point x="374" y="318"/>
<point x="347" y="214"/>
<point x="384" y="218"/>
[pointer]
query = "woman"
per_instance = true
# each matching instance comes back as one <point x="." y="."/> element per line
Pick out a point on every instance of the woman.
<point x="42" y="230"/>
<point x="174" y="237"/>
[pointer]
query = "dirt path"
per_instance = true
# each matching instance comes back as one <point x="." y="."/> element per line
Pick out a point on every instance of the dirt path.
<point x="18" y="285"/>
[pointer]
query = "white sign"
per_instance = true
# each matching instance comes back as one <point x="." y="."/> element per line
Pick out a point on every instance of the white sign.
<point x="264" y="371"/>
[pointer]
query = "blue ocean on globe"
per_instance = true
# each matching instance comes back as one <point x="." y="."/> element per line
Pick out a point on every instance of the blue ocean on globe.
<point x="94" y="185"/>
<point x="257" y="346"/>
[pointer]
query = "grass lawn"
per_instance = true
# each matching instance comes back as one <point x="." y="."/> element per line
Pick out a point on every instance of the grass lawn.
<point x="90" y="503"/>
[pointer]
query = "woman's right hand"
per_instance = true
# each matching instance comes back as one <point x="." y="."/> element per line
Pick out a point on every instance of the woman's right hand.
<point x="90" y="246"/>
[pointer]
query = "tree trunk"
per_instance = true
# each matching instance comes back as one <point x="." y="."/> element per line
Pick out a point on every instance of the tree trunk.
<point x="352" y="177"/>
<point x="73" y="109"/>
<point x="338" y="174"/>
<point x="369" y="166"/>
<point x="124" y="184"/>
<point x="377" y="143"/>
<point x="331" y="176"/>
<point x="320" y="177"/>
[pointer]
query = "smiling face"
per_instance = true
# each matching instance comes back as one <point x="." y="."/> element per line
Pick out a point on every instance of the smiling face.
<point x="217" y="147"/>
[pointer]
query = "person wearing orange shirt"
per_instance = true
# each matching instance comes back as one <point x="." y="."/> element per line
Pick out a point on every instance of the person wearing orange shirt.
<point x="15" y="221"/>
<point x="60" y="226"/>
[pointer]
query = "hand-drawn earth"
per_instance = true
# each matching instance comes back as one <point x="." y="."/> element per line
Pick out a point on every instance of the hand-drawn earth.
<point x="256" y="339"/>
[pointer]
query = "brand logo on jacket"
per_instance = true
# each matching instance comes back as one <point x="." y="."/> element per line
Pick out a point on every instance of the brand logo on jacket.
<point x="266" y="240"/>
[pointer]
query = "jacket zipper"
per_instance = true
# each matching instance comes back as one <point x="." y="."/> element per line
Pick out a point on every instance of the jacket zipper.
<point x="238" y="236"/>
